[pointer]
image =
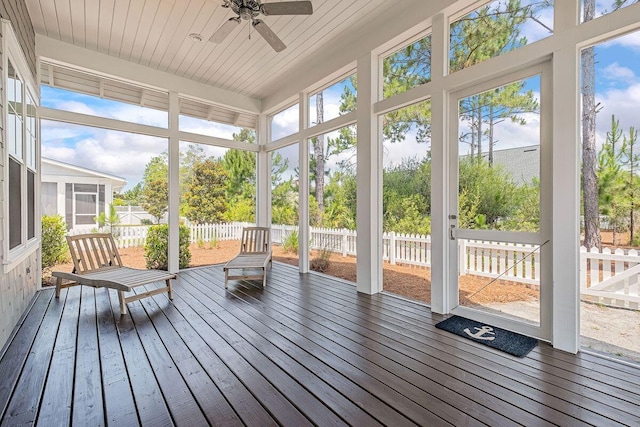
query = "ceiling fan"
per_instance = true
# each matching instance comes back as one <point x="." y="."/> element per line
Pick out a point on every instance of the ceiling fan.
<point x="250" y="9"/>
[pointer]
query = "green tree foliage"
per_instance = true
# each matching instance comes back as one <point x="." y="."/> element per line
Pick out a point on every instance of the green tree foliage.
<point x="54" y="245"/>
<point x="155" y="198"/>
<point x="157" y="247"/>
<point x="131" y="197"/>
<point x="284" y="193"/>
<point x="206" y="192"/>
<point x="193" y="155"/>
<point x="611" y="181"/>
<point x="488" y="191"/>
<point x="241" y="166"/>
<point x="340" y="201"/>
<point x="108" y="219"/>
<point x="630" y="158"/>
<point x="154" y="195"/>
<point x="407" y="196"/>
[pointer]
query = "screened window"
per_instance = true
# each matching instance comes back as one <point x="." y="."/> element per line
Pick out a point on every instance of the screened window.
<point x="285" y="123"/>
<point x="86" y="208"/>
<point x="496" y="28"/>
<point x="407" y="67"/>
<point x="49" y="198"/>
<point x="88" y="201"/>
<point x="334" y="101"/>
<point x="15" y="204"/>
<point x="21" y="143"/>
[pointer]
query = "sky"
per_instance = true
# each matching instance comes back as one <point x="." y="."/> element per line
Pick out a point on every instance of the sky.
<point x="117" y="153"/>
<point x="125" y="155"/>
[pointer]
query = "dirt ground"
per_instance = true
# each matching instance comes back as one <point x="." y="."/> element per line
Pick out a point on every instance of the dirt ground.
<point x="603" y="329"/>
<point x="408" y="281"/>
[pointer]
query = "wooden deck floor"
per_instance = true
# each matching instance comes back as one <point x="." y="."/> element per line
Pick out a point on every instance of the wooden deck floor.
<point x="308" y="350"/>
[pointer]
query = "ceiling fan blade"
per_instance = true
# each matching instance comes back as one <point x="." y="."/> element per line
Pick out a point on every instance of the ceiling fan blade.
<point x="269" y="35"/>
<point x="288" y="8"/>
<point x="224" y="30"/>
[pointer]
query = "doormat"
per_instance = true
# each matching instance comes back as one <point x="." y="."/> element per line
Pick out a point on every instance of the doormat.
<point x="501" y="339"/>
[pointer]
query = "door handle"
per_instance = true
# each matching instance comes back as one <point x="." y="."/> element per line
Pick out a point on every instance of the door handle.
<point x="451" y="229"/>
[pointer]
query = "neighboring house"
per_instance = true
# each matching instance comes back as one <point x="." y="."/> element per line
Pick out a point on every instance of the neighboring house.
<point x="76" y="193"/>
<point x="522" y="163"/>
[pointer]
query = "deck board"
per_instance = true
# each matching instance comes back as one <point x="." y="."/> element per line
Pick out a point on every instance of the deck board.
<point x="490" y="367"/>
<point x="306" y="350"/>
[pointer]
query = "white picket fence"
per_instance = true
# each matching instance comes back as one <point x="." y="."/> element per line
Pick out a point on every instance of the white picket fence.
<point x="607" y="277"/>
<point x="610" y="278"/>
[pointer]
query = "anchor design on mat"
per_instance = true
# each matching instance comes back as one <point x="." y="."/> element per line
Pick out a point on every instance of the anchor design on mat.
<point x="481" y="333"/>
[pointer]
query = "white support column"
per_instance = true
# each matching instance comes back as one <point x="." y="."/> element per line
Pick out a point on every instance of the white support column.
<point x="263" y="175"/>
<point x="369" y="179"/>
<point x="442" y="251"/>
<point x="303" y="187"/>
<point x="174" y="184"/>
<point x="566" y="190"/>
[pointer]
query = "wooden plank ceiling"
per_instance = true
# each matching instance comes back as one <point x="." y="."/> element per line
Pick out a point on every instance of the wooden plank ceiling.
<point x="155" y="33"/>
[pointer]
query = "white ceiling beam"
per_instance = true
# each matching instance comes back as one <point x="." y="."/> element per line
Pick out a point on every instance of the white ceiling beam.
<point x="236" y="119"/>
<point x="218" y="142"/>
<point x="84" y="59"/>
<point x="101" y="122"/>
<point x="52" y="82"/>
<point x="210" y="114"/>
<point x="352" y="46"/>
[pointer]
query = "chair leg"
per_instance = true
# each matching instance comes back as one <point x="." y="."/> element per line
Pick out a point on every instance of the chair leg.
<point x="226" y="278"/>
<point x="123" y="303"/>
<point x="170" y="289"/>
<point x="264" y="277"/>
<point x="58" y="286"/>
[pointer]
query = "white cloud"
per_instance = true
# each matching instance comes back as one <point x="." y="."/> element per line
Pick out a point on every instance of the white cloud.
<point x="285" y="123"/>
<point x="616" y="72"/>
<point x="116" y="153"/>
<point x="624" y="104"/>
<point x="630" y="40"/>
<point x="538" y="30"/>
<point x="76" y="107"/>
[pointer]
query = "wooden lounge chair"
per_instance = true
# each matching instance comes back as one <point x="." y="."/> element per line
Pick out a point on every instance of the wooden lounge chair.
<point x="96" y="263"/>
<point x="255" y="254"/>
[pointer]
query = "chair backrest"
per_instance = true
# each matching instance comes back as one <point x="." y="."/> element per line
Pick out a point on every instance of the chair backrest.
<point x="255" y="240"/>
<point x="92" y="252"/>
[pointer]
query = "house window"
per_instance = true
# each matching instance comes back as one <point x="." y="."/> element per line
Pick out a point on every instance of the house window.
<point x="21" y="165"/>
<point x="15" y="204"/>
<point x="49" y="198"/>
<point x="87" y="203"/>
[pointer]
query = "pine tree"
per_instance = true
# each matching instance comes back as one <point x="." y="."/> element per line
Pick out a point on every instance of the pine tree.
<point x="630" y="153"/>
<point x="611" y="182"/>
<point x="591" y="210"/>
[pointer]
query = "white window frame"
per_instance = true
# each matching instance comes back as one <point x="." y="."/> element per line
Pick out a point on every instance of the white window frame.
<point x="13" y="52"/>
<point x="75" y="205"/>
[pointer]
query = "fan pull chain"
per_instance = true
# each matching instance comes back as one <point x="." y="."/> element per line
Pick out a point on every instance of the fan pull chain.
<point x="250" y="25"/>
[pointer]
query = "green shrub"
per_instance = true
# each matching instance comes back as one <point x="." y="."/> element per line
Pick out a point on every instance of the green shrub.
<point x="157" y="247"/>
<point x="54" y="245"/>
<point x="290" y="243"/>
<point x="146" y="221"/>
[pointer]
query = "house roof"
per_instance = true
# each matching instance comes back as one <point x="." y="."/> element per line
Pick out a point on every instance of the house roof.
<point x="49" y="167"/>
<point x="522" y="163"/>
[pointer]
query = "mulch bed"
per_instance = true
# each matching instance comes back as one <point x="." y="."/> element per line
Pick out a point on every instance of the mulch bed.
<point x="409" y="281"/>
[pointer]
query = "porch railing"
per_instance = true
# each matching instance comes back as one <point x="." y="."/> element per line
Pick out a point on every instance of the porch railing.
<point x="607" y="277"/>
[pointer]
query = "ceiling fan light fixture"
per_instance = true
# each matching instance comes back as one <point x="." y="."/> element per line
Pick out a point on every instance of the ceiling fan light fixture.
<point x="195" y="37"/>
<point x="248" y="10"/>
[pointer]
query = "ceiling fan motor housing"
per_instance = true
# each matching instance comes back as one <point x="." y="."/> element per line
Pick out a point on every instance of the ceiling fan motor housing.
<point x="246" y="9"/>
